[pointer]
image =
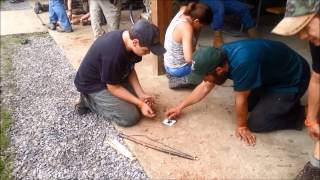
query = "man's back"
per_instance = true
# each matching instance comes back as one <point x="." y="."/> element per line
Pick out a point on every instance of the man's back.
<point x="268" y="64"/>
<point x="106" y="62"/>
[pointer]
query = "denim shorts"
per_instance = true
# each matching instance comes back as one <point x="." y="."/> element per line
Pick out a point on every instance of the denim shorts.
<point x="179" y="72"/>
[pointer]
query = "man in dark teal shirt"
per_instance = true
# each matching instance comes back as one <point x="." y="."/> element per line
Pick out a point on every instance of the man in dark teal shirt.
<point x="269" y="80"/>
<point x="265" y="64"/>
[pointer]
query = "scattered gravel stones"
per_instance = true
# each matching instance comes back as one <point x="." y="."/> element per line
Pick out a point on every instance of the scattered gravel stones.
<point x="49" y="140"/>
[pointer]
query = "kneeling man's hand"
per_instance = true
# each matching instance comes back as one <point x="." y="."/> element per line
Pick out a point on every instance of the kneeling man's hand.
<point x="147" y="110"/>
<point x="314" y="131"/>
<point x="245" y="134"/>
<point x="173" y="112"/>
<point x="148" y="99"/>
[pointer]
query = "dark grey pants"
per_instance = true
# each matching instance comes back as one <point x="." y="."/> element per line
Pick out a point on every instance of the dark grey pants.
<point x="271" y="111"/>
<point x="113" y="108"/>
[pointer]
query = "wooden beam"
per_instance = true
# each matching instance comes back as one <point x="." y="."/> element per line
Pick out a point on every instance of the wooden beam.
<point x="161" y="15"/>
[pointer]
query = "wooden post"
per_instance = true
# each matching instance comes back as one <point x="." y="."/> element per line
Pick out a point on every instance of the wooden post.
<point x="161" y="15"/>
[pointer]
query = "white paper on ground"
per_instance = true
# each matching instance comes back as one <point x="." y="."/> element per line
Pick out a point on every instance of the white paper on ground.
<point x="169" y="122"/>
<point x="120" y="148"/>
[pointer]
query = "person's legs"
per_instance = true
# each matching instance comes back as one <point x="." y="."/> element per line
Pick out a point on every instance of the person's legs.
<point x="180" y="82"/>
<point x="38" y="8"/>
<point x="254" y="98"/>
<point x="95" y="14"/>
<point x="113" y="108"/>
<point x="217" y="8"/>
<point x="276" y="111"/>
<point x="58" y="8"/>
<point x="312" y="169"/>
<point x="111" y="13"/>
<point x="179" y="77"/>
<point x="179" y="72"/>
<point x="53" y="18"/>
<point x="240" y="9"/>
<point x="81" y="107"/>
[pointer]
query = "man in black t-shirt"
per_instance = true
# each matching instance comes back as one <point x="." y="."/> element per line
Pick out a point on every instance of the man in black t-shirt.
<point x="106" y="79"/>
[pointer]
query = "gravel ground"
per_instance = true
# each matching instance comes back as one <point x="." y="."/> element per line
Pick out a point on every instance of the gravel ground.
<point x="49" y="140"/>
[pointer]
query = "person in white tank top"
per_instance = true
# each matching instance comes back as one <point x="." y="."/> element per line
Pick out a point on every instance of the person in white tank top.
<point x="181" y="38"/>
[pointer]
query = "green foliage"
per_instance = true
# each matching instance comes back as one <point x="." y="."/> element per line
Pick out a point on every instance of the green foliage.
<point x="6" y="52"/>
<point x="5" y="169"/>
<point x="5" y="124"/>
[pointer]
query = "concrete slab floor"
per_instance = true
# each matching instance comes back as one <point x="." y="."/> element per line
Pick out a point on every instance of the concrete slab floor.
<point x="205" y="129"/>
<point x="18" y="22"/>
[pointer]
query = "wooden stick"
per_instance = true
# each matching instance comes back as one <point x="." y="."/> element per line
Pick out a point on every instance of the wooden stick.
<point x="171" y="152"/>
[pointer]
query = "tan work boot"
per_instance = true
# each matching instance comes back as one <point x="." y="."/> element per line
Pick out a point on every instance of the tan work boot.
<point x="252" y="32"/>
<point x="218" y="39"/>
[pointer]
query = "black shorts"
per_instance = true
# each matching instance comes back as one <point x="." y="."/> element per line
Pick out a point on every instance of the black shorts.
<point x="315" y="54"/>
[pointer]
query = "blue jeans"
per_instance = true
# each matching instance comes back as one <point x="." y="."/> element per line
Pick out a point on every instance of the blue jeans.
<point x="220" y="7"/>
<point x="58" y="13"/>
<point x="179" y="72"/>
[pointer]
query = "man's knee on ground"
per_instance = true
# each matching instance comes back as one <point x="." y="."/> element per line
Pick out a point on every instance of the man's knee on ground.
<point x="128" y="119"/>
<point x="258" y="123"/>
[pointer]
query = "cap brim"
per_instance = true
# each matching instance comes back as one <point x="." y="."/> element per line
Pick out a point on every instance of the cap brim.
<point x="195" y="78"/>
<point x="292" y="25"/>
<point x="157" y="49"/>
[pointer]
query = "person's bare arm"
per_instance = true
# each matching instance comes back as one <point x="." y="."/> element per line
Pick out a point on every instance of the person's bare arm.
<point x="69" y="9"/>
<point x="122" y="93"/>
<point x="133" y="80"/>
<point x="201" y="91"/>
<point x="185" y="33"/>
<point x="85" y="17"/>
<point x="312" y="121"/>
<point x="196" y="35"/>
<point x="242" y="107"/>
<point x="242" y="130"/>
